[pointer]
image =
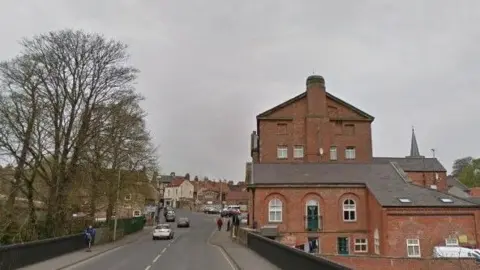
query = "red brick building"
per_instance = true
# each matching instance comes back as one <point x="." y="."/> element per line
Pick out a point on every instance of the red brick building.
<point x="314" y="184"/>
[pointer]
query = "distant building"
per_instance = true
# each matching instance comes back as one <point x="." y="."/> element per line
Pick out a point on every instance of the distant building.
<point x="179" y="190"/>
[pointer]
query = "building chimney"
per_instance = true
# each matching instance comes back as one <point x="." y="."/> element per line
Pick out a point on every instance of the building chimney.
<point x="317" y="122"/>
<point x="316" y="96"/>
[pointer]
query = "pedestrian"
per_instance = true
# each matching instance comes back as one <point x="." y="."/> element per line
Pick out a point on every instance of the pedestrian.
<point x="228" y="225"/>
<point x="219" y="223"/>
<point x="236" y="224"/>
<point x="89" y="237"/>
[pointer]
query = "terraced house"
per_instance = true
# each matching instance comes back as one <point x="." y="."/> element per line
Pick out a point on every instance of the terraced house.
<point x="314" y="184"/>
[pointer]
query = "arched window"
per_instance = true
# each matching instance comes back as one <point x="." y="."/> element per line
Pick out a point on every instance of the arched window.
<point x="349" y="210"/>
<point x="312" y="215"/>
<point x="275" y="210"/>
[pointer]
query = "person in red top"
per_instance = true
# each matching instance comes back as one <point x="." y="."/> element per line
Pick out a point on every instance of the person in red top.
<point x="219" y="223"/>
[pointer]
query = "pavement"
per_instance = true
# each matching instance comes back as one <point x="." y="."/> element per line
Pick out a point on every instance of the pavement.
<point x="243" y="258"/>
<point x="195" y="248"/>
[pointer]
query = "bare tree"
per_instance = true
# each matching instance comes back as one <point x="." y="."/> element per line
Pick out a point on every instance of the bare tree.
<point x="19" y="117"/>
<point x="119" y="142"/>
<point x="74" y="74"/>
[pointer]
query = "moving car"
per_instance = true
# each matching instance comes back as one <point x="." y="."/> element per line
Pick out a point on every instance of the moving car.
<point x="162" y="231"/>
<point x="170" y="217"/>
<point x="183" y="222"/>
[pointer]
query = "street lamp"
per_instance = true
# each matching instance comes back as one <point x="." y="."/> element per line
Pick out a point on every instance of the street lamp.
<point x="116" y="206"/>
<point x="115" y="222"/>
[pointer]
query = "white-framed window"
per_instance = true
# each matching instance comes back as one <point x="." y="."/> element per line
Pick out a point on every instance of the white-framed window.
<point x="128" y="197"/>
<point x="413" y="248"/>
<point x="376" y="242"/>
<point x="350" y="152"/>
<point x="137" y="213"/>
<point x="451" y="242"/>
<point x="282" y="152"/>
<point x="298" y="151"/>
<point x="275" y="210"/>
<point x="333" y="153"/>
<point x="349" y="210"/>
<point x="361" y="245"/>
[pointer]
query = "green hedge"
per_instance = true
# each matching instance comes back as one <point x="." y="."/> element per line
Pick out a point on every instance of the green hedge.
<point x="129" y="225"/>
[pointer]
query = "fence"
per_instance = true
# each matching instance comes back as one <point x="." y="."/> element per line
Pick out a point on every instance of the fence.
<point x="285" y="257"/>
<point x="21" y="255"/>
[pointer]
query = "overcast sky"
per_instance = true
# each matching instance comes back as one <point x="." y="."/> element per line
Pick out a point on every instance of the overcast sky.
<point x="208" y="67"/>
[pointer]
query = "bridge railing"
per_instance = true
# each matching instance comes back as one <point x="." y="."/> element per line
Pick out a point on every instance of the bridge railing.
<point x="20" y="255"/>
<point x="284" y="257"/>
<point x="23" y="254"/>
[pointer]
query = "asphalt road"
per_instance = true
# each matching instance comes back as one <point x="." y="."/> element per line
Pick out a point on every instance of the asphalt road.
<point x="189" y="250"/>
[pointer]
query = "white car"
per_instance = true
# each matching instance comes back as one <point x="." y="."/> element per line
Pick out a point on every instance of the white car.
<point x="162" y="231"/>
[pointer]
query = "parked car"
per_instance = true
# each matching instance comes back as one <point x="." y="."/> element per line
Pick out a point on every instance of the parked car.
<point x="211" y="210"/>
<point x="170" y="217"/>
<point x="243" y="218"/>
<point x="162" y="231"/>
<point x="183" y="222"/>
<point x="230" y="211"/>
<point x="166" y="210"/>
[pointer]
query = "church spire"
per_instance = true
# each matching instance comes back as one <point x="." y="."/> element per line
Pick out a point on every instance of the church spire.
<point x="414" y="152"/>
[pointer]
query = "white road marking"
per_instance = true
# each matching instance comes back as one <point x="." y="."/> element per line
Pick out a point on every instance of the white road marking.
<point x="148" y="267"/>
<point x="225" y="256"/>
<point x="156" y="258"/>
<point x="165" y="249"/>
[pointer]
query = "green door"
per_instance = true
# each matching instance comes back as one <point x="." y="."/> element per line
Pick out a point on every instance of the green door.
<point x="342" y="243"/>
<point x="312" y="217"/>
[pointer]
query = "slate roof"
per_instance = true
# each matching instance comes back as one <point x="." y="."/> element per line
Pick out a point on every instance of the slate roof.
<point x="304" y="94"/>
<point x="384" y="181"/>
<point x="165" y="179"/>
<point x="454" y="182"/>
<point x="413" y="164"/>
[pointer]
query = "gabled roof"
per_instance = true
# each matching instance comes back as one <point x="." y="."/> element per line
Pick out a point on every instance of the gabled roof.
<point x="384" y="181"/>
<point x="413" y="164"/>
<point x="176" y="182"/>
<point x="452" y="181"/>
<point x="304" y="95"/>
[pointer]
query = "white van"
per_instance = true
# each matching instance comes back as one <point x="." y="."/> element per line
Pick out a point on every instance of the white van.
<point x="454" y="252"/>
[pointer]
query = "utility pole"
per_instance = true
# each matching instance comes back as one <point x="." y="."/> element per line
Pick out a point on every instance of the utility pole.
<point x="116" y="206"/>
<point x="435" y="178"/>
<point x="221" y="194"/>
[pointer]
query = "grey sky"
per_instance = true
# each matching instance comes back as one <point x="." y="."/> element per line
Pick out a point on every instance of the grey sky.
<point x="208" y="67"/>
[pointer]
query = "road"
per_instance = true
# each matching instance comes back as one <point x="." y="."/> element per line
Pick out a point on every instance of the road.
<point x="189" y="250"/>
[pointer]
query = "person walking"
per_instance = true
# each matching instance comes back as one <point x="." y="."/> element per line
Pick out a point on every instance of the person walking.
<point x="219" y="223"/>
<point x="228" y="225"/>
<point x="89" y="237"/>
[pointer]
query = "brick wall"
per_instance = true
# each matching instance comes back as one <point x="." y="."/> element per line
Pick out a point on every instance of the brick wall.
<point x="330" y="205"/>
<point x="314" y="121"/>
<point x="426" y="179"/>
<point x="432" y="226"/>
<point x="383" y="263"/>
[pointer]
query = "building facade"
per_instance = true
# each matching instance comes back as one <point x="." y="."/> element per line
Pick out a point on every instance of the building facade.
<point x="314" y="184"/>
<point x="177" y="191"/>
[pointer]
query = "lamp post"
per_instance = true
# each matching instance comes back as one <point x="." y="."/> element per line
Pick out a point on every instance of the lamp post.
<point x="115" y="222"/>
